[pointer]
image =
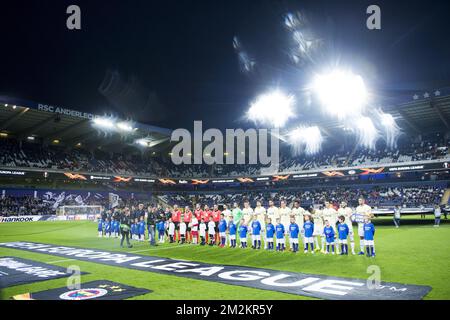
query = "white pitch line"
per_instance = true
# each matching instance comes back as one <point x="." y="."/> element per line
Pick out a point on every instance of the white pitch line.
<point x="149" y="249"/>
<point x="57" y="261"/>
<point x="152" y="249"/>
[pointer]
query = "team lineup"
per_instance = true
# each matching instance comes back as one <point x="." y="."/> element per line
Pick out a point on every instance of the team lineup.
<point x="327" y="230"/>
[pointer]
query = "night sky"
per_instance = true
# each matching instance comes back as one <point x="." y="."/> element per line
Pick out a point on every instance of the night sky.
<point x="178" y="56"/>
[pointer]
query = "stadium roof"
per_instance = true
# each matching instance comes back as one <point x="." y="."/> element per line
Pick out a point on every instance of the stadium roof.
<point x="428" y="113"/>
<point x="24" y="119"/>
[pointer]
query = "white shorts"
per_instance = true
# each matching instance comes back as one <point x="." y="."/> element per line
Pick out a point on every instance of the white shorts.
<point x="368" y="242"/>
<point x="269" y="239"/>
<point x="232" y="237"/>
<point x="308" y="240"/>
<point x="360" y="229"/>
<point x="281" y="241"/>
<point x="243" y="239"/>
<point x="222" y="234"/>
<point x="342" y="241"/>
<point x="350" y="228"/>
<point x="318" y="232"/>
<point x="256" y="237"/>
<point x="293" y="240"/>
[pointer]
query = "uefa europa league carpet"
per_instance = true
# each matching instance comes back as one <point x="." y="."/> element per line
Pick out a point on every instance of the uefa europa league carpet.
<point x="94" y="290"/>
<point x="16" y="271"/>
<point x="313" y="285"/>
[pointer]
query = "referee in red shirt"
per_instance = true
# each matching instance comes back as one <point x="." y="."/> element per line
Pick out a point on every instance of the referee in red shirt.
<point x="176" y="217"/>
<point x="187" y="219"/>
<point x="216" y="218"/>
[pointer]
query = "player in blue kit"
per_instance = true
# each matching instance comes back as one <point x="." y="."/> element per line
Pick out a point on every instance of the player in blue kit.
<point x="108" y="228"/>
<point x="256" y="233"/>
<point x="328" y="231"/>
<point x="270" y="232"/>
<point x="308" y="228"/>
<point x="114" y="223"/>
<point x="134" y="229"/>
<point x="232" y="232"/>
<point x="243" y="229"/>
<point x="294" y="230"/>
<point x="222" y="230"/>
<point x="161" y="230"/>
<point x="100" y="227"/>
<point x="369" y="233"/>
<point x="141" y="229"/>
<point x="279" y="234"/>
<point x="343" y="231"/>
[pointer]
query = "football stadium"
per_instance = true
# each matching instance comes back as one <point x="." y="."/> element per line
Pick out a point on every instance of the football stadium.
<point x="332" y="187"/>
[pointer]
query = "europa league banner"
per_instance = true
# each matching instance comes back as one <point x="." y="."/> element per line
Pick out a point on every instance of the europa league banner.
<point x="16" y="271"/>
<point x="312" y="285"/>
<point x="94" y="290"/>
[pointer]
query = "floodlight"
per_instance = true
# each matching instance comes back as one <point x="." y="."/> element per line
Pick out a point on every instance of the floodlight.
<point x="125" y="126"/>
<point x="273" y="108"/>
<point x="341" y="93"/>
<point x="105" y="123"/>
<point x="305" y="139"/>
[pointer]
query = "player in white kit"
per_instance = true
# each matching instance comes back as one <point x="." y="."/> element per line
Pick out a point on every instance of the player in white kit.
<point x="272" y="211"/>
<point x="247" y="213"/>
<point x="362" y="211"/>
<point x="227" y="213"/>
<point x="298" y="212"/>
<point x="285" y="215"/>
<point x="260" y="213"/>
<point x="330" y="214"/>
<point x="347" y="212"/>
<point x="317" y="217"/>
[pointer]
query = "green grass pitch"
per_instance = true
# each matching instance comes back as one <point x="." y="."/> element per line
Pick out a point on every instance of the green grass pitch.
<point x="416" y="253"/>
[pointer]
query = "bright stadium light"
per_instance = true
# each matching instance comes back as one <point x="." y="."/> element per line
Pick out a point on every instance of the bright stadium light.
<point x="387" y="120"/>
<point x="125" y="126"/>
<point x="391" y="129"/>
<point x="144" y="142"/>
<point x="104" y="123"/>
<point x="341" y="93"/>
<point x="305" y="139"/>
<point x="273" y="108"/>
<point x="366" y="131"/>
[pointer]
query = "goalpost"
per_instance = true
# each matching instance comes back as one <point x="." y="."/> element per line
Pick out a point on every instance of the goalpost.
<point x="77" y="210"/>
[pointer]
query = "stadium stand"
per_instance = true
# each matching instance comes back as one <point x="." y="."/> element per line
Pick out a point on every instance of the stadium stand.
<point x="407" y="196"/>
<point x="19" y="154"/>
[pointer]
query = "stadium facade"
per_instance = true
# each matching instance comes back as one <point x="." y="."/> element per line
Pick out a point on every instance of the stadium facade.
<point x="49" y="149"/>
